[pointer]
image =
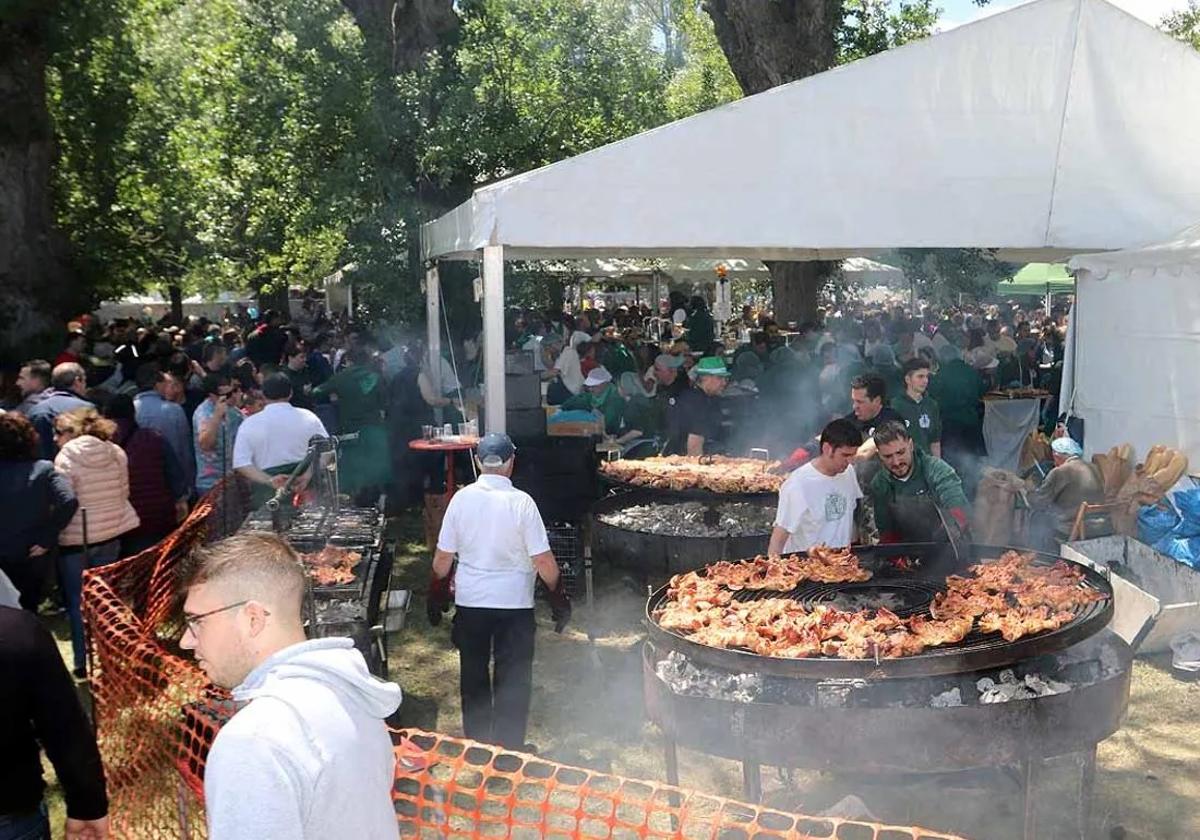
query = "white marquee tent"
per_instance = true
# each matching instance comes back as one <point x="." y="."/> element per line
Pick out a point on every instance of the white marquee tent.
<point x="1133" y="355"/>
<point x="702" y="270"/>
<point x="1045" y="131"/>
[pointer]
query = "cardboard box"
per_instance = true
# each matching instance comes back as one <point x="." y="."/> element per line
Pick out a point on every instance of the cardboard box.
<point x="576" y="428"/>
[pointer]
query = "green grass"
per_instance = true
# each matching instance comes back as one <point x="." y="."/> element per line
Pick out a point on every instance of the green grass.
<point x="587" y="710"/>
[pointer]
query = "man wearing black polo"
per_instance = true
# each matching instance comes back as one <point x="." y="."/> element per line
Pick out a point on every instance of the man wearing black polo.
<point x="694" y="421"/>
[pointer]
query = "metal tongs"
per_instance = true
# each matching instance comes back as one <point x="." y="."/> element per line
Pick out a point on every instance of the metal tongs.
<point x="764" y="453"/>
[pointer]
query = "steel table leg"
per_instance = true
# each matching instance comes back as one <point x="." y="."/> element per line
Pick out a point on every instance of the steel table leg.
<point x="1087" y="780"/>
<point x="672" y="759"/>
<point x="751" y="781"/>
<point x="1029" y="786"/>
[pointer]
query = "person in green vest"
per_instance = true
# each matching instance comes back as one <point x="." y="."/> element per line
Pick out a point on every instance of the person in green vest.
<point x="916" y="497"/>
<point x="919" y="410"/>
<point x="364" y="465"/>
<point x="599" y="394"/>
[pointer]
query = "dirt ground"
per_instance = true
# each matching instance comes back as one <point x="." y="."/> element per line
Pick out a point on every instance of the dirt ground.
<point x="588" y="710"/>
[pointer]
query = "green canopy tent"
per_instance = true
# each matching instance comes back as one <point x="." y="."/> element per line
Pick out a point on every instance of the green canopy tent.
<point x="1038" y="280"/>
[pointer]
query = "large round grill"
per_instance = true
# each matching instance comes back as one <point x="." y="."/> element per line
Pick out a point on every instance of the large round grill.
<point x="904" y="593"/>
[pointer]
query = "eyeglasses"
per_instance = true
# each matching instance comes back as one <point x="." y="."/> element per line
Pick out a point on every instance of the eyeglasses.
<point x="193" y="621"/>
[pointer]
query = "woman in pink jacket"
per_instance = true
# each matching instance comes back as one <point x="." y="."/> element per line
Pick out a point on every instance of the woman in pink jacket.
<point x="99" y="475"/>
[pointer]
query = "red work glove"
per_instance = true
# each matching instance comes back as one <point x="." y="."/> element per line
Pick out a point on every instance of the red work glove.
<point x="560" y="605"/>
<point x="797" y="459"/>
<point x="439" y="597"/>
<point x="960" y="516"/>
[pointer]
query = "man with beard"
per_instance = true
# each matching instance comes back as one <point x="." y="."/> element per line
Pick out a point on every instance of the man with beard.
<point x="916" y="497"/>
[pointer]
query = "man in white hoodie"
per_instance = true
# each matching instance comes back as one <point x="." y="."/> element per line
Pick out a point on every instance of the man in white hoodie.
<point x="307" y="755"/>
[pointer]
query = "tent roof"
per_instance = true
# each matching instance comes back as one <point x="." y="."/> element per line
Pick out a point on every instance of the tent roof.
<point x="700" y="270"/>
<point x="1172" y="254"/>
<point x="1042" y="131"/>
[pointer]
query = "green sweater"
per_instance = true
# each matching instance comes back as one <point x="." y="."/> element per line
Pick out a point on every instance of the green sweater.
<point x="608" y="402"/>
<point x="924" y="419"/>
<point x="958" y="387"/>
<point x="618" y="359"/>
<point x="930" y="476"/>
<point x="360" y="397"/>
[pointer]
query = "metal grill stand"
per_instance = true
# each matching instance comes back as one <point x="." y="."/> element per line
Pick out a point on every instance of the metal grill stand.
<point x="915" y="715"/>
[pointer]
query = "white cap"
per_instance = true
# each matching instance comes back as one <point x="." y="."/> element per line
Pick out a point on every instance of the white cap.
<point x="598" y="376"/>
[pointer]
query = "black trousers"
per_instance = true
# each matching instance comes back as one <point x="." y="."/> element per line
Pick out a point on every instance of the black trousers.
<point x="495" y="702"/>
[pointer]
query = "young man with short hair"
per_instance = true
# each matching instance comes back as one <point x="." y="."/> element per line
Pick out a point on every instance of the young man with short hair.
<point x="33" y="380"/>
<point x="816" y="503"/>
<point x="307" y="754"/>
<point x="215" y="424"/>
<point x="919" y="411"/>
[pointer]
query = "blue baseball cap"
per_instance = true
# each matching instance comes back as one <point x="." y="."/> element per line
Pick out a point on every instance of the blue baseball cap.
<point x="495" y="449"/>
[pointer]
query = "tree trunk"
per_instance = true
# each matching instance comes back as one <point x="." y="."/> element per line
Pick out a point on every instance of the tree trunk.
<point x="405" y="31"/>
<point x="37" y="288"/>
<point x="769" y="43"/>
<point x="796" y="287"/>
<point x="176" y="295"/>
<point x="772" y="42"/>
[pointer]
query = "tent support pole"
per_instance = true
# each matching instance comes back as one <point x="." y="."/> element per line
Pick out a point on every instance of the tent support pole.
<point x="493" y="338"/>
<point x="433" y="326"/>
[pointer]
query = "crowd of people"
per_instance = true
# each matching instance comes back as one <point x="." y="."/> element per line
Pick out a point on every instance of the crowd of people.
<point x="105" y="449"/>
<point x="636" y="370"/>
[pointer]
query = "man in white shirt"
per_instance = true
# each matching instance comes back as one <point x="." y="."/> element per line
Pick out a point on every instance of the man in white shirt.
<point x="816" y="503"/>
<point x="502" y="548"/>
<point x="270" y="443"/>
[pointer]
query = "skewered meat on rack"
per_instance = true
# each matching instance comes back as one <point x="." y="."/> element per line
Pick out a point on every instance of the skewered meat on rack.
<point x="331" y="566"/>
<point x="714" y="473"/>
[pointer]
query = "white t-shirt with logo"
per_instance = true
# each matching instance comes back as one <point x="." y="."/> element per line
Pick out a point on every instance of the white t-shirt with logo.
<point x="495" y="529"/>
<point x="817" y="509"/>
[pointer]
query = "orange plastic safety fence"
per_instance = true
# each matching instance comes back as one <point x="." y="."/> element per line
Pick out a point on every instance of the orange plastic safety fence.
<point x="141" y="682"/>
<point x="451" y="789"/>
<point x="157" y="716"/>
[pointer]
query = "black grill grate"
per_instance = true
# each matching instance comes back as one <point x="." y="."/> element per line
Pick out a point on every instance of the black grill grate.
<point x="915" y="593"/>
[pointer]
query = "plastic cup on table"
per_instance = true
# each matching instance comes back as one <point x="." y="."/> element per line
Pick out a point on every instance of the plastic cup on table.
<point x="427" y="432"/>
